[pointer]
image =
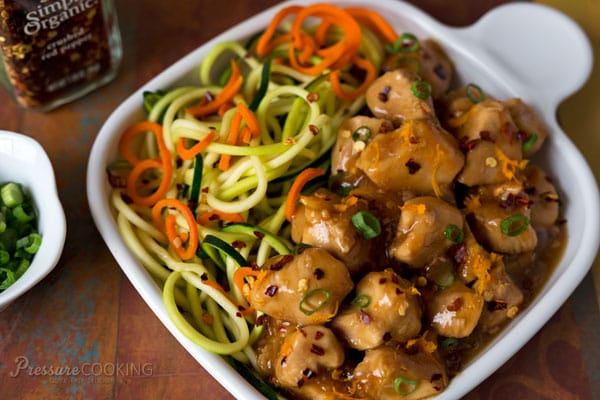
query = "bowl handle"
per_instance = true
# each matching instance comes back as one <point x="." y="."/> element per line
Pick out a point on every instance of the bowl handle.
<point x="536" y="47"/>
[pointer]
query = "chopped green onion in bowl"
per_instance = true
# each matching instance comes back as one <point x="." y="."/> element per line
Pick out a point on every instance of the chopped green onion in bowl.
<point x="19" y="237"/>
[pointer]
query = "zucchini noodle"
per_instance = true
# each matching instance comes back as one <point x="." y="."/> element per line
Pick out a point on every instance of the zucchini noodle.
<point x="243" y="178"/>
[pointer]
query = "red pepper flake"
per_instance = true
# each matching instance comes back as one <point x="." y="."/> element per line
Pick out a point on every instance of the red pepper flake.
<point x="364" y="317"/>
<point x="312" y="97"/>
<point x="258" y="234"/>
<point x="455" y="305"/>
<point x="318" y="350"/>
<point x="486" y="135"/>
<point x="318" y="273"/>
<point x="279" y="264"/>
<point x="458" y="253"/>
<point x="382" y="281"/>
<point x="261" y="320"/>
<point x="313" y="129"/>
<point x="319" y="335"/>
<point x="412" y="166"/>
<point x="204" y="276"/>
<point x="238" y="244"/>
<point x="467" y="145"/>
<point x="440" y="72"/>
<point x="204" y="189"/>
<point x="383" y="95"/>
<point x="271" y="291"/>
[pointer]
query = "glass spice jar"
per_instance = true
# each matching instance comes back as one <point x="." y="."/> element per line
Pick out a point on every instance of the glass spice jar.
<point x="54" y="51"/>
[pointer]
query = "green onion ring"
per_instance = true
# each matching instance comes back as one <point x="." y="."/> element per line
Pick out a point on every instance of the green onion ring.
<point x="421" y="89"/>
<point x="404" y="386"/>
<point x="361" y="301"/>
<point x="514" y="225"/>
<point x="475" y="93"/>
<point x="311" y="295"/>
<point x="367" y="224"/>
<point x="454" y="234"/>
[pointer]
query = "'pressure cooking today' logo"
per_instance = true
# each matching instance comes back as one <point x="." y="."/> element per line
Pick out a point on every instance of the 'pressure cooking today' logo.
<point x="87" y="369"/>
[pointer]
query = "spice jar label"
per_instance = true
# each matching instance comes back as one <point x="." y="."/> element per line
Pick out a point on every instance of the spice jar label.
<point x="54" y="51"/>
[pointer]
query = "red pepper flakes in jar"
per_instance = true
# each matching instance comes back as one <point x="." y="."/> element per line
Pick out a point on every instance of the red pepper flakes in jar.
<point x="55" y="51"/>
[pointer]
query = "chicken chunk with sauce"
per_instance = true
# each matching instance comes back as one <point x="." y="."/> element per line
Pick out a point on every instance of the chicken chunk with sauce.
<point x="532" y="130"/>
<point x="325" y="220"/>
<point x="307" y="353"/>
<point x="419" y="157"/>
<point x="390" y="97"/>
<point x="422" y="234"/>
<point x="305" y="289"/>
<point x="386" y="307"/>
<point x="454" y="311"/>
<point x="429" y="61"/>
<point x="388" y="373"/>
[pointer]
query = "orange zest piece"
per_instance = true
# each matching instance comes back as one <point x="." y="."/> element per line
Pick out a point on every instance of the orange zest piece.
<point x="294" y="193"/>
<point x="188" y="154"/>
<point x="208" y="216"/>
<point x="233" y="86"/>
<point x="170" y="229"/>
<point x="140" y="166"/>
<point x="336" y="85"/>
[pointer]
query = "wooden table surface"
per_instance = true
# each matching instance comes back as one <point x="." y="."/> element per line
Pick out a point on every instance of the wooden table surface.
<point x="86" y="314"/>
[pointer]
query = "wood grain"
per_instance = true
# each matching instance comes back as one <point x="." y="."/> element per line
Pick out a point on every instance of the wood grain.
<point x="87" y="316"/>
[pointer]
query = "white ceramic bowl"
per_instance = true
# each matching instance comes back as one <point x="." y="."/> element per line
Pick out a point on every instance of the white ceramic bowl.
<point x="519" y="49"/>
<point x="23" y="160"/>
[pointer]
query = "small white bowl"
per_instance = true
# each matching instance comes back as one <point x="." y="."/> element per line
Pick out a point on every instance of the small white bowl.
<point x="521" y="50"/>
<point x="23" y="160"/>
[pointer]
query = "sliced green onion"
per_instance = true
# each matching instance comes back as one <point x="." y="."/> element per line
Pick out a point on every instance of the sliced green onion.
<point x="314" y="300"/>
<point x="4" y="257"/>
<point x="299" y="248"/>
<point x="151" y="98"/>
<point x="529" y="142"/>
<point x="2" y="222"/>
<point x="211" y="242"/>
<point x="361" y="301"/>
<point x="421" y="89"/>
<point x="197" y="178"/>
<point x="263" y="86"/>
<point x="257" y="232"/>
<point x="454" y="234"/>
<point x="475" y="93"/>
<point x="362" y="133"/>
<point x="514" y="225"/>
<point x="404" y="386"/>
<point x="21" y="214"/>
<point x="448" y="342"/>
<point x="9" y="278"/>
<point x="30" y="243"/>
<point x="11" y="194"/>
<point x="406" y="43"/>
<point x="367" y="224"/>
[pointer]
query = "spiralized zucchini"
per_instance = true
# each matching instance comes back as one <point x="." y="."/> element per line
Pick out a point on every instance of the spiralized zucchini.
<point x="298" y="116"/>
